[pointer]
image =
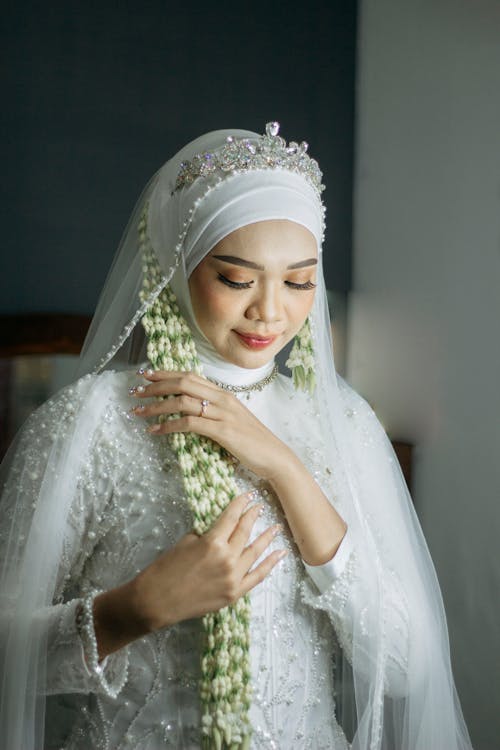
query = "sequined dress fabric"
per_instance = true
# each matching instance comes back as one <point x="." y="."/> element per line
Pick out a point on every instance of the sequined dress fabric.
<point x="128" y="508"/>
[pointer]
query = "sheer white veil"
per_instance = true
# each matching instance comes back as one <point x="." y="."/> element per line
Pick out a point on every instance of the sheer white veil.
<point x="379" y="707"/>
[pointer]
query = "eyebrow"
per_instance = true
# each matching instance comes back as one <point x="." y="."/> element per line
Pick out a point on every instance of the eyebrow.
<point x="250" y="264"/>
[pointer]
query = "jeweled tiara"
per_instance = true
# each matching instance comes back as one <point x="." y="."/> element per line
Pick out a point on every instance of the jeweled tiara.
<point x="269" y="151"/>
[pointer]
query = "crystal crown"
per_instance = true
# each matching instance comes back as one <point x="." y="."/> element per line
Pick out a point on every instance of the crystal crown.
<point x="269" y="151"/>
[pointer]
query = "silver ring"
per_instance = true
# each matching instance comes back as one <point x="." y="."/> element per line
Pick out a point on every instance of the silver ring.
<point x="204" y="404"/>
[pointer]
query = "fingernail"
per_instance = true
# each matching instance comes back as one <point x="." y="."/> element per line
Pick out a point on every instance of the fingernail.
<point x="153" y="428"/>
<point x="283" y="553"/>
<point x="140" y="389"/>
<point x="255" y="506"/>
<point x="138" y="408"/>
<point x="149" y="372"/>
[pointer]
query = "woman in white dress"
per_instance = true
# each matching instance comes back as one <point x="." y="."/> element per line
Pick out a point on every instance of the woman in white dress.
<point x="203" y="552"/>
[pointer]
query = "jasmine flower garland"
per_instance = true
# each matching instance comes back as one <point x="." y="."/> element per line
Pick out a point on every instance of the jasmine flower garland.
<point x="208" y="477"/>
<point x="301" y="359"/>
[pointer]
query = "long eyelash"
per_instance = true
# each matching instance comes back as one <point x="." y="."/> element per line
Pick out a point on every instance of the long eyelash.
<point x="235" y="284"/>
<point x="307" y="285"/>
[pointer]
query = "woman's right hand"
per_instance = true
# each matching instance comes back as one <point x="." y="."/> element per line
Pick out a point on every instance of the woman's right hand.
<point x="197" y="575"/>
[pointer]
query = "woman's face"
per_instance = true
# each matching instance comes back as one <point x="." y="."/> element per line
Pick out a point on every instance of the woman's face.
<point x="253" y="291"/>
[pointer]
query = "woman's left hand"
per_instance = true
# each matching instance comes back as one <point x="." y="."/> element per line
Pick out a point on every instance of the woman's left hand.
<point x="206" y="409"/>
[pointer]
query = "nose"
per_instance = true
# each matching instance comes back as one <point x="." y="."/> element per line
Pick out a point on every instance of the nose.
<point x="267" y="304"/>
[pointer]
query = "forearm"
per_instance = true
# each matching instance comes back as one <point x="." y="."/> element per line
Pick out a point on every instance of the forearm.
<point x="116" y="622"/>
<point x="316" y="526"/>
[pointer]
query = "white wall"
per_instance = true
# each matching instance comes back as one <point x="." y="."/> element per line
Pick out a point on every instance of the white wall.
<point x="424" y="316"/>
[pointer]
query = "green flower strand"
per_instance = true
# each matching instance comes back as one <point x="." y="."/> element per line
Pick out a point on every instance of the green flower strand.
<point x="208" y="477"/>
<point x="301" y="359"/>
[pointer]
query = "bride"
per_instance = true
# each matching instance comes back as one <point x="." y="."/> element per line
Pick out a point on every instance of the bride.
<point x="200" y="551"/>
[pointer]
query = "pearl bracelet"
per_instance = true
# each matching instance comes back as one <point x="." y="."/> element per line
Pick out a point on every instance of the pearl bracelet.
<point x="86" y="631"/>
<point x="85" y="627"/>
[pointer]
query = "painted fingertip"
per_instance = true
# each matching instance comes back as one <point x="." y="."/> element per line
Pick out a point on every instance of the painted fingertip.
<point x="140" y="389"/>
<point x="149" y="372"/>
<point x="253" y="506"/>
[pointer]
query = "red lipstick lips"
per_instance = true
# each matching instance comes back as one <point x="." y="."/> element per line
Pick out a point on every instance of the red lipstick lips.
<point x="253" y="341"/>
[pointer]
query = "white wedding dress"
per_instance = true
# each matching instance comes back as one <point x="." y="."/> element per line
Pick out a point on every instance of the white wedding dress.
<point x="128" y="508"/>
<point x="89" y="498"/>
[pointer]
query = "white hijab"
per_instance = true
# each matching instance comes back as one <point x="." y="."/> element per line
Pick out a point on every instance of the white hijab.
<point x="234" y="203"/>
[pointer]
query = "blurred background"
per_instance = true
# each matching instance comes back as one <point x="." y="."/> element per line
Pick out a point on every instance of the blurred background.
<point x="399" y="101"/>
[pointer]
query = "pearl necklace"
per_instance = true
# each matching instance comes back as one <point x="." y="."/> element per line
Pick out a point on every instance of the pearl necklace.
<point x="248" y="389"/>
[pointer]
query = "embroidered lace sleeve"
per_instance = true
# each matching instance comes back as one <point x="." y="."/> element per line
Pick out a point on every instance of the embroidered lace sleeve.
<point x="324" y="575"/>
<point x="73" y="665"/>
<point x="344" y="602"/>
<point x="69" y="668"/>
<point x="340" y="587"/>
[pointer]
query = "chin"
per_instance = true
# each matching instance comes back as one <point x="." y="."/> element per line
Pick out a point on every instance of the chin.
<point x="251" y="361"/>
<point x="248" y="359"/>
<point x="238" y="354"/>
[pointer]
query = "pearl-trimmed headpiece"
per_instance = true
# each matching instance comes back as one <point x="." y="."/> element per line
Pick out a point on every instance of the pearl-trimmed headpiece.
<point x="269" y="151"/>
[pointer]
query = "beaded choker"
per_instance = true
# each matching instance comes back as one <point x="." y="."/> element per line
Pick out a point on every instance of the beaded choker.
<point x="248" y="389"/>
<point x="269" y="151"/>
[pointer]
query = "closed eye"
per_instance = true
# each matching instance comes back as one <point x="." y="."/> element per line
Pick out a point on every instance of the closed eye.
<point x="306" y="285"/>
<point x="235" y="284"/>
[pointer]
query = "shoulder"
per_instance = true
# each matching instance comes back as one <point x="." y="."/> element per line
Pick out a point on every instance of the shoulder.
<point x="56" y="441"/>
<point x="349" y="396"/>
<point x="353" y="403"/>
<point x="364" y="427"/>
<point x="88" y="389"/>
<point x="81" y="407"/>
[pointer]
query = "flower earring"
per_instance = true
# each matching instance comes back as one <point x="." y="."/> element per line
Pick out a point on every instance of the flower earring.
<point x="301" y="359"/>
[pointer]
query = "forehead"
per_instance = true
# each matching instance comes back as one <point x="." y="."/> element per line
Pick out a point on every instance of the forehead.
<point x="268" y="238"/>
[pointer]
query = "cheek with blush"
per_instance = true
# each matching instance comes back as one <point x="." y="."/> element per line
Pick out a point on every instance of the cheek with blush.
<point x="211" y="306"/>
<point x="301" y="309"/>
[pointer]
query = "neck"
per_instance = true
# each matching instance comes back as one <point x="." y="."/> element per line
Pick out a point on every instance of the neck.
<point x="216" y="368"/>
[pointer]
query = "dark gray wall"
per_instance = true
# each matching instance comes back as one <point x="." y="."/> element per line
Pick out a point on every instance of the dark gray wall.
<point x="97" y="96"/>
